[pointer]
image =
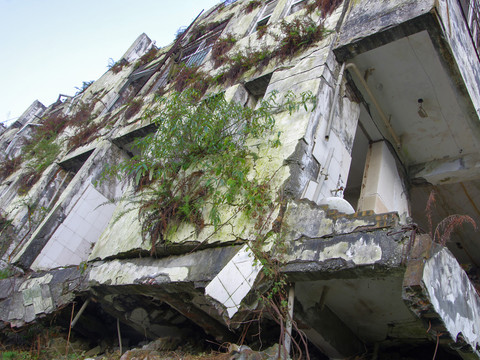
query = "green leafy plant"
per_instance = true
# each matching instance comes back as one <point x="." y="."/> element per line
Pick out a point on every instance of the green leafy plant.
<point x="199" y="161"/>
<point x="5" y="273"/>
<point x="42" y="153"/>
<point x="298" y="35"/>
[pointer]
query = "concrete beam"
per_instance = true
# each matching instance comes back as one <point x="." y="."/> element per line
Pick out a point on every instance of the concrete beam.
<point x="448" y="171"/>
<point x="345" y="256"/>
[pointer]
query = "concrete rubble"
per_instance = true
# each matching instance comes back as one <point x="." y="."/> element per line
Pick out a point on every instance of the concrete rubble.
<point x="372" y="268"/>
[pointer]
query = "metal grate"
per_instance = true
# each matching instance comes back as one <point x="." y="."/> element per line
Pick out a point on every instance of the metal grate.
<point x="471" y="13"/>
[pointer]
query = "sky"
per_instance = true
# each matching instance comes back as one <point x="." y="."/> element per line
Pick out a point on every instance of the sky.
<point x="49" y="47"/>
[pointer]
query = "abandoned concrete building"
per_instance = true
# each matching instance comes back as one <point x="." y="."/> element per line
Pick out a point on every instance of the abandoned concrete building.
<point x="362" y="194"/>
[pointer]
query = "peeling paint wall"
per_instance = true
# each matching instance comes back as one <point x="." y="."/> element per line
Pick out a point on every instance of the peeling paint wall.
<point x="453" y="297"/>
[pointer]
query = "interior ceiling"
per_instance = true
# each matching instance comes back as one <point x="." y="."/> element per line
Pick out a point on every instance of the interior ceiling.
<point x="399" y="74"/>
<point x="371" y="307"/>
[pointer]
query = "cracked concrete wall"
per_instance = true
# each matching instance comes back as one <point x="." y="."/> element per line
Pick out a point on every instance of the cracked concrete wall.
<point x="453" y="297"/>
<point x="90" y="173"/>
<point x="379" y="16"/>
<point x="289" y="166"/>
<point x="23" y="301"/>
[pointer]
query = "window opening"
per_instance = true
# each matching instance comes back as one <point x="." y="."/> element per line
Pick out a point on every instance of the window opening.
<point x="257" y="89"/>
<point x="126" y="142"/>
<point x="73" y="164"/>
<point x="297" y="5"/>
<point x="136" y="81"/>
<point x="266" y="14"/>
<point x="195" y="52"/>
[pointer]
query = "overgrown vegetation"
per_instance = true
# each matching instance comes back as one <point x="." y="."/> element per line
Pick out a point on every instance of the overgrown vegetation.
<point x="40" y="153"/>
<point x="116" y="67"/>
<point x="252" y="5"/>
<point x="261" y="31"/>
<point x="5" y="238"/>
<point x="200" y="162"/>
<point x="200" y="166"/>
<point x="326" y="7"/>
<point x="41" y="150"/>
<point x="202" y="29"/>
<point x="297" y="36"/>
<point x="9" y="166"/>
<point x="133" y="108"/>
<point x="221" y="47"/>
<point x="190" y="77"/>
<point x="149" y="56"/>
<point x="444" y="229"/>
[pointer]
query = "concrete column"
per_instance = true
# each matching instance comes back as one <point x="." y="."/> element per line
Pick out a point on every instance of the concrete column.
<point x="382" y="187"/>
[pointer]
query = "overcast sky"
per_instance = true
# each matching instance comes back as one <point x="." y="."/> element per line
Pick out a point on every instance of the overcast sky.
<point x="48" y="47"/>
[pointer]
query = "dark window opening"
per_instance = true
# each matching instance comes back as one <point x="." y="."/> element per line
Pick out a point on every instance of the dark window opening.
<point x="127" y="142"/>
<point x="73" y="164"/>
<point x="257" y="88"/>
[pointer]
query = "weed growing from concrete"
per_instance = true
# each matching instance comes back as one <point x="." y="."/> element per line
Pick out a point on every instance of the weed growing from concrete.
<point x="252" y="5"/>
<point x="221" y="47"/>
<point x="298" y="35"/>
<point x="9" y="166"/>
<point x="118" y="66"/>
<point x="199" y="162"/>
<point x="133" y="108"/>
<point x="326" y="7"/>
<point x="149" y="56"/>
<point x="444" y="229"/>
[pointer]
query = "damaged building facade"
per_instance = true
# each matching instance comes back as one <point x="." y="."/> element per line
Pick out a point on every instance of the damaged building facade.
<point x="369" y="257"/>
